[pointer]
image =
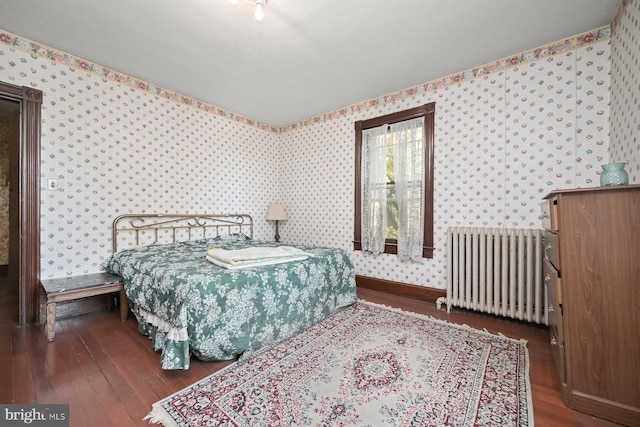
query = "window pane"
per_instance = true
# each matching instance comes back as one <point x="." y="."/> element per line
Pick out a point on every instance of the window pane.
<point x="392" y="212"/>
<point x="402" y="136"/>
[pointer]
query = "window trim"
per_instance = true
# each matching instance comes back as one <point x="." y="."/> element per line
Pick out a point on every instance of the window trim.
<point x="428" y="112"/>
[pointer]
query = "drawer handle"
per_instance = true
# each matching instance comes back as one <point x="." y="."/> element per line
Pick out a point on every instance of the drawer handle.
<point x="553" y="341"/>
<point x="550" y="308"/>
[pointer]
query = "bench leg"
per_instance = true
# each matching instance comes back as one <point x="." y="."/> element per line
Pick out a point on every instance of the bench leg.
<point x="124" y="306"/>
<point x="51" y="321"/>
<point x="42" y="313"/>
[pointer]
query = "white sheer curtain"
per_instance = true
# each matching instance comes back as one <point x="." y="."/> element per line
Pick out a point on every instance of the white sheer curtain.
<point x="374" y="189"/>
<point x="408" y="165"/>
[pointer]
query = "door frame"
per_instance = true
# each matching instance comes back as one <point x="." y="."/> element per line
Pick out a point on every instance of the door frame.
<point x="27" y="200"/>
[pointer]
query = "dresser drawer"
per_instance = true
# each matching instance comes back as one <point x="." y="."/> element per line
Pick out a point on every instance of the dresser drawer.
<point x="557" y="350"/>
<point x="551" y="247"/>
<point x="554" y="290"/>
<point x="556" y="329"/>
<point x="549" y="214"/>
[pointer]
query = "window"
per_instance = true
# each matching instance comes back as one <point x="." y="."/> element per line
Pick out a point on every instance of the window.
<point x="394" y="183"/>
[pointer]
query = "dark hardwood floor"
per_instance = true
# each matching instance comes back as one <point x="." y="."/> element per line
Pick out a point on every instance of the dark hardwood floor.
<point x="110" y="376"/>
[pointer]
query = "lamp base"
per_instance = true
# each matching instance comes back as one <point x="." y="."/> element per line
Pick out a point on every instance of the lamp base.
<point x="277" y="236"/>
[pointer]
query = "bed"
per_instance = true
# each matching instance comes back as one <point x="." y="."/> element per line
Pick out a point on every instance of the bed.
<point x="187" y="305"/>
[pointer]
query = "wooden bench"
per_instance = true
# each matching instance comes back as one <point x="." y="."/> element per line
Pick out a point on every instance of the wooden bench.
<point x="70" y="288"/>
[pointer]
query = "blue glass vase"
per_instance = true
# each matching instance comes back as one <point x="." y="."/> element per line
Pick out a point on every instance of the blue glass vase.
<point x="614" y="174"/>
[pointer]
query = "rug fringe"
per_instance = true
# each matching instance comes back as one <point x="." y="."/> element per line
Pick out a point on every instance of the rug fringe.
<point x="159" y="416"/>
<point x="457" y="325"/>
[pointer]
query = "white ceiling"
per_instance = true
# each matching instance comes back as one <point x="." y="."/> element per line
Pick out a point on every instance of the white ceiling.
<point x="307" y="57"/>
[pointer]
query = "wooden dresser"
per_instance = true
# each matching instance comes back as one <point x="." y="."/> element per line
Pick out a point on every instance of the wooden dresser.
<point x="592" y="274"/>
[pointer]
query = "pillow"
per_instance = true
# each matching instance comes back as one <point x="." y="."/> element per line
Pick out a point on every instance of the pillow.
<point x="233" y="237"/>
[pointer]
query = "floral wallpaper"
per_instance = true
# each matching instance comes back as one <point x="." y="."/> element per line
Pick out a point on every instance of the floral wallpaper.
<point x="507" y="133"/>
<point x="625" y="89"/>
<point x="503" y="140"/>
<point x="118" y="149"/>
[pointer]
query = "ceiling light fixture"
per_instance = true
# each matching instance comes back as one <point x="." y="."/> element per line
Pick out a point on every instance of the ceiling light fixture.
<point x="259" y="15"/>
<point x="260" y="4"/>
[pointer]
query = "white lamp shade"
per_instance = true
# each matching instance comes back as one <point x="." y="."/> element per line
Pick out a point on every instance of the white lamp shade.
<point x="276" y="212"/>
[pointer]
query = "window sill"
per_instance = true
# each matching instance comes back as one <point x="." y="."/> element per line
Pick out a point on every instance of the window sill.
<point x="392" y="249"/>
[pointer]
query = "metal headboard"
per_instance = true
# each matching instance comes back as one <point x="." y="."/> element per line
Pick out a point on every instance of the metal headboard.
<point x="151" y="229"/>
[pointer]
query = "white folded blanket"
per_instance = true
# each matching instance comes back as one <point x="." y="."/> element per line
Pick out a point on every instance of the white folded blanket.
<point x="257" y="263"/>
<point x="255" y="256"/>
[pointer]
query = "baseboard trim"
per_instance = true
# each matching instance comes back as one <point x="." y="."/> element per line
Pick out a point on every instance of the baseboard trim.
<point x="402" y="289"/>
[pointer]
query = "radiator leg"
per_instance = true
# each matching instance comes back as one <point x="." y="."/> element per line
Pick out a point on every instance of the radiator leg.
<point x="440" y="301"/>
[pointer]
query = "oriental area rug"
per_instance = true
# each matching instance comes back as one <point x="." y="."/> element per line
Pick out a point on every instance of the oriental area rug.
<point x="366" y="365"/>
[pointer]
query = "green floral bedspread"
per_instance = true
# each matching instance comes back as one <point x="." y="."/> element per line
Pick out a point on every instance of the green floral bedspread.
<point x="187" y="305"/>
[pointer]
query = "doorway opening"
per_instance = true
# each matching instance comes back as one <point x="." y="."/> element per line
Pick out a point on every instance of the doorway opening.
<point x="9" y="144"/>
<point x="23" y="106"/>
